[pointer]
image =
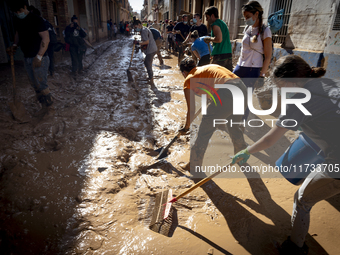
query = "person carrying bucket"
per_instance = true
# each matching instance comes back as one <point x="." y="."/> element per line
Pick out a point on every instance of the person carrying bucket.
<point x="322" y="126"/>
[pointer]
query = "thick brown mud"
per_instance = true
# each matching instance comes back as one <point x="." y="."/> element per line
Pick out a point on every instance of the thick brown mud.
<point x="79" y="181"/>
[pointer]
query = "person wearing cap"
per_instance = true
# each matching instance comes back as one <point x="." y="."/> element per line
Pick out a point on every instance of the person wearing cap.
<point x="74" y="35"/>
<point x="181" y="32"/>
<point x="222" y="54"/>
<point x="147" y="41"/>
<point x="33" y="38"/>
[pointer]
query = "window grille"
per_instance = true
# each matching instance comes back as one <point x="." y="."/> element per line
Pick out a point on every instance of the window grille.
<point x="336" y="25"/>
<point x="280" y="36"/>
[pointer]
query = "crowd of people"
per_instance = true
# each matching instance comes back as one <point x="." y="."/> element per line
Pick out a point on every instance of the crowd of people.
<point x="215" y="62"/>
<point x="211" y="57"/>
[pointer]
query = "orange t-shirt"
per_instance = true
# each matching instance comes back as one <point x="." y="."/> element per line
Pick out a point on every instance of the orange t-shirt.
<point x="205" y="77"/>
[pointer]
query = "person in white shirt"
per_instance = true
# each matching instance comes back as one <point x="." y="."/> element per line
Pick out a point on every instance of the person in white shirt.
<point x="256" y="51"/>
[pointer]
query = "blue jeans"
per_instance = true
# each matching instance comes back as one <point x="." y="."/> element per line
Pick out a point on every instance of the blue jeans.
<point x="38" y="75"/>
<point x="247" y="72"/>
<point x="316" y="187"/>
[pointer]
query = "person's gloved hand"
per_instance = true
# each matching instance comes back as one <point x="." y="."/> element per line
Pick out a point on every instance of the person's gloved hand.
<point x="243" y="154"/>
<point x="136" y="42"/>
<point x="259" y="82"/>
<point x="37" y="61"/>
<point x="11" y="50"/>
<point x="208" y="39"/>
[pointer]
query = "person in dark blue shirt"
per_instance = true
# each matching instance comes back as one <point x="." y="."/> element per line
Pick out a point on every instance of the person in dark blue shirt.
<point x="182" y="30"/>
<point x="199" y="26"/>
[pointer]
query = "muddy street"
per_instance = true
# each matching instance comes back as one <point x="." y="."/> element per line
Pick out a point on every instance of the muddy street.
<point x="79" y="181"/>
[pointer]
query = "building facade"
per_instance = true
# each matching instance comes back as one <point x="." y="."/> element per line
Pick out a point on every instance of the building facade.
<point x="92" y="15"/>
<point x="311" y="28"/>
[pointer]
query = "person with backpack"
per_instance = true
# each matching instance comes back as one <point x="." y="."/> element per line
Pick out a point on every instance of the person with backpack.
<point x="74" y="35"/>
<point x="158" y="39"/>
<point x="256" y="51"/>
<point x="321" y="126"/>
<point x="150" y="44"/>
<point x="53" y="38"/>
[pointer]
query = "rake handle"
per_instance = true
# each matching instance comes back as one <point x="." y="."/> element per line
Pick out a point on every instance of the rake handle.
<point x="181" y="35"/>
<point x="209" y="49"/>
<point x="203" y="181"/>
<point x="133" y="49"/>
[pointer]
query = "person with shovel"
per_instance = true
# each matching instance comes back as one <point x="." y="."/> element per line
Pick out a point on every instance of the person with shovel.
<point x="199" y="80"/>
<point x="200" y="49"/>
<point x="181" y="32"/>
<point x="222" y="53"/>
<point x="33" y="38"/>
<point x="151" y="47"/>
<point x="322" y="126"/>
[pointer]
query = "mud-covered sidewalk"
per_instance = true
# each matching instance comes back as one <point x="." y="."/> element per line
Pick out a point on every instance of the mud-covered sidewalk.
<point x="79" y="181"/>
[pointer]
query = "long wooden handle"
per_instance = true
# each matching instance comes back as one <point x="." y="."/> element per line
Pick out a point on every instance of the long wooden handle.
<point x="209" y="49"/>
<point x="204" y="181"/>
<point x="13" y="75"/>
<point x="181" y="35"/>
<point x="133" y="49"/>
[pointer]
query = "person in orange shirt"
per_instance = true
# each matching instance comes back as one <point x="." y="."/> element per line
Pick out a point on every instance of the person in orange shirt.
<point x="201" y="80"/>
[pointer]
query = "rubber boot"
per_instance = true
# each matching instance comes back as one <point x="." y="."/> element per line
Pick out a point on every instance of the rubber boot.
<point x="46" y="100"/>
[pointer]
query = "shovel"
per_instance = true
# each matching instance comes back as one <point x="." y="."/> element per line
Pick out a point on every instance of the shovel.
<point x="162" y="215"/>
<point x="129" y="74"/>
<point x="17" y="108"/>
<point x="163" y="151"/>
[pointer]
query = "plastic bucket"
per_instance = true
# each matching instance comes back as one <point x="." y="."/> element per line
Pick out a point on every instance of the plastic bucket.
<point x="294" y="162"/>
<point x="265" y="99"/>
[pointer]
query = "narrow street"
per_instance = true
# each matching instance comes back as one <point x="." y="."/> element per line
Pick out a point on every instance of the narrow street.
<point x="79" y="181"/>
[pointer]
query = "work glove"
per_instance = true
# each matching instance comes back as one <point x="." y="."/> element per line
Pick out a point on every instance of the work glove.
<point x="208" y="39"/>
<point x="36" y="61"/>
<point x="243" y="154"/>
<point x="11" y="50"/>
<point x="259" y="82"/>
<point x="136" y="42"/>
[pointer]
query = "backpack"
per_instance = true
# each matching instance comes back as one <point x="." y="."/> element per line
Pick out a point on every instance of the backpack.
<point x="275" y="21"/>
<point x="156" y="34"/>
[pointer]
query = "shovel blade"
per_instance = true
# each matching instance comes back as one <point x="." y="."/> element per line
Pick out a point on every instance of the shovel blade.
<point x="163" y="153"/>
<point x="19" y="112"/>
<point x="129" y="75"/>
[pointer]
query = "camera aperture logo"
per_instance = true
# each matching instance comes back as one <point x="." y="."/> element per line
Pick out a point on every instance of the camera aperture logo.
<point x="208" y="92"/>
